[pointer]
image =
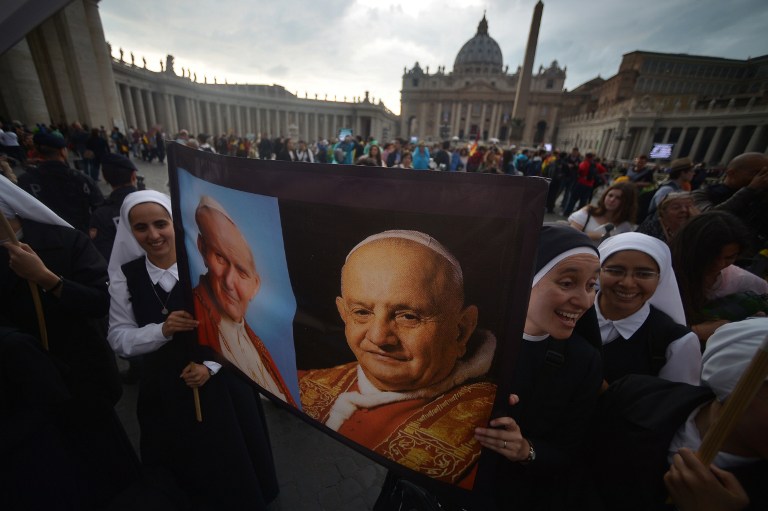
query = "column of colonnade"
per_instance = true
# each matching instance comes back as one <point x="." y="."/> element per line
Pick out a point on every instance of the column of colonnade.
<point x="143" y="108"/>
<point x="454" y="119"/>
<point x="422" y="121"/>
<point x="495" y="116"/>
<point x="130" y="111"/>
<point x="138" y="103"/>
<point x="481" y="126"/>
<point x="713" y="145"/>
<point x="154" y="117"/>
<point x="467" y="119"/>
<point x="730" y="150"/>
<point x="696" y="142"/>
<point x="679" y="144"/>
<point x="209" y="119"/>
<point x="102" y="64"/>
<point x="219" y="119"/>
<point x="22" y="90"/>
<point x="754" y="142"/>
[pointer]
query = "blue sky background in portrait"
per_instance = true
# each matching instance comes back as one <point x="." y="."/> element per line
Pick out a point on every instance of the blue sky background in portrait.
<point x="271" y="312"/>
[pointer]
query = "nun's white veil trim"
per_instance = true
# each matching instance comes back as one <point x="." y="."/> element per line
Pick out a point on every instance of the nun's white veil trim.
<point x="15" y="201"/>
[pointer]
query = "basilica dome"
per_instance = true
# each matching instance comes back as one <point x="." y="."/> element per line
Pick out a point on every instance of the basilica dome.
<point x="479" y="55"/>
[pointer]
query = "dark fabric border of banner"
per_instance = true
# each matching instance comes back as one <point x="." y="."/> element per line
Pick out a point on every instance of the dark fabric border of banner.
<point x="518" y="200"/>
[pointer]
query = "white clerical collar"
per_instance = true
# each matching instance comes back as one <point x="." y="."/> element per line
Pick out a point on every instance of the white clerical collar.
<point x="233" y="326"/>
<point x="534" y="338"/>
<point x="625" y="327"/>
<point x="167" y="278"/>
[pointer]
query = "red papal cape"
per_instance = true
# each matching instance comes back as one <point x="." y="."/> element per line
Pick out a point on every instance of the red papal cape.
<point x="208" y="333"/>
<point x="432" y="436"/>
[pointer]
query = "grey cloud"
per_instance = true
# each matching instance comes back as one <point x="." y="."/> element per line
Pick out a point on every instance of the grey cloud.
<point x="309" y="44"/>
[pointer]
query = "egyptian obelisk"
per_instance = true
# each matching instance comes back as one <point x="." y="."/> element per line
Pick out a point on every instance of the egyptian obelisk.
<point x="520" y="109"/>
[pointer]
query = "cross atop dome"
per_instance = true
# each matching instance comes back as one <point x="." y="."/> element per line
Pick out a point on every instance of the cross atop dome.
<point x="482" y="27"/>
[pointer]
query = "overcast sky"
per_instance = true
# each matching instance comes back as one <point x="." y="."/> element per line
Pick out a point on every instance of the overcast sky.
<point x="345" y="47"/>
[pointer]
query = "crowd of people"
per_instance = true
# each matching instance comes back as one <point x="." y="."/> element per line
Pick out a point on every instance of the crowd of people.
<point x="645" y="309"/>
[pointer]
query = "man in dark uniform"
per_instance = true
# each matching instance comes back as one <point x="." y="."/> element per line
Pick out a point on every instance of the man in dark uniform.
<point x="68" y="192"/>
<point x="443" y="156"/>
<point x="120" y="173"/>
<point x="265" y="147"/>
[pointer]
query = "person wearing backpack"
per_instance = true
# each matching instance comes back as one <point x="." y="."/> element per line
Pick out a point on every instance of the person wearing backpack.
<point x="521" y="162"/>
<point x="533" y="167"/>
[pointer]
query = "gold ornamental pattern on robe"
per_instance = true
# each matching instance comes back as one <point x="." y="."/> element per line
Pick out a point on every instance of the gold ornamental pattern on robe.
<point x="436" y="440"/>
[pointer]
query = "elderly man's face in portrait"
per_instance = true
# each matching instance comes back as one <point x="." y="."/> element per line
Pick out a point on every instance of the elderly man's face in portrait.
<point x="231" y="270"/>
<point x="403" y="314"/>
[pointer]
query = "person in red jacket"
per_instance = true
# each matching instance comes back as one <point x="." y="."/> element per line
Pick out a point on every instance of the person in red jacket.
<point x="585" y="181"/>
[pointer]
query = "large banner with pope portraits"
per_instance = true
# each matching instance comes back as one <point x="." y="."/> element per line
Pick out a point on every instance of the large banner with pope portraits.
<point x="383" y="306"/>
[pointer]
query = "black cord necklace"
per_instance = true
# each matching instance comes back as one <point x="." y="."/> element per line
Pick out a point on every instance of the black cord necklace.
<point x="164" y="310"/>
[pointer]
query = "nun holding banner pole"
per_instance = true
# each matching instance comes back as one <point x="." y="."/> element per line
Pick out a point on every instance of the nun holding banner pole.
<point x="144" y="317"/>
<point x="147" y="317"/>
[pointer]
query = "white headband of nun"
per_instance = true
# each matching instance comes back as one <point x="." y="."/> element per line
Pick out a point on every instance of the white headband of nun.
<point x="554" y="261"/>
<point x="16" y="202"/>
<point x="728" y="353"/>
<point x="667" y="296"/>
<point x="417" y="237"/>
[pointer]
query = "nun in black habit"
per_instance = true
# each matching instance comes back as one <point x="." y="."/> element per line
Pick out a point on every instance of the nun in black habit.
<point x="62" y="445"/>
<point x="225" y="461"/>
<point x="556" y="381"/>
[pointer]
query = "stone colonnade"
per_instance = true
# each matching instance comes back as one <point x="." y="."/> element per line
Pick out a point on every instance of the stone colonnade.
<point x="149" y="98"/>
<point x="712" y="137"/>
<point x="63" y="72"/>
<point x="491" y="118"/>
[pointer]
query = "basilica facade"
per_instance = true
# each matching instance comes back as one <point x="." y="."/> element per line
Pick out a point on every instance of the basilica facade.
<point x="476" y="99"/>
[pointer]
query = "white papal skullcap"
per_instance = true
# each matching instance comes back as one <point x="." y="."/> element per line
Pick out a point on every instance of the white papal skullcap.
<point x="16" y="202"/>
<point x="729" y="351"/>
<point x="209" y="202"/>
<point x="418" y="237"/>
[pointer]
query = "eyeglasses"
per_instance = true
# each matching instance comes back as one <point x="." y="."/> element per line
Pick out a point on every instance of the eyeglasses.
<point x="619" y="273"/>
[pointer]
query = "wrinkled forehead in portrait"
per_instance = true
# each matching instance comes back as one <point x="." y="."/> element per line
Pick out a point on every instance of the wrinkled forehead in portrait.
<point x="408" y="263"/>
<point x="220" y="234"/>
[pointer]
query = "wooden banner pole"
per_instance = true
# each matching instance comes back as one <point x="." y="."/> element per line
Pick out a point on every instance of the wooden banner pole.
<point x="745" y="390"/>
<point x="11" y="236"/>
